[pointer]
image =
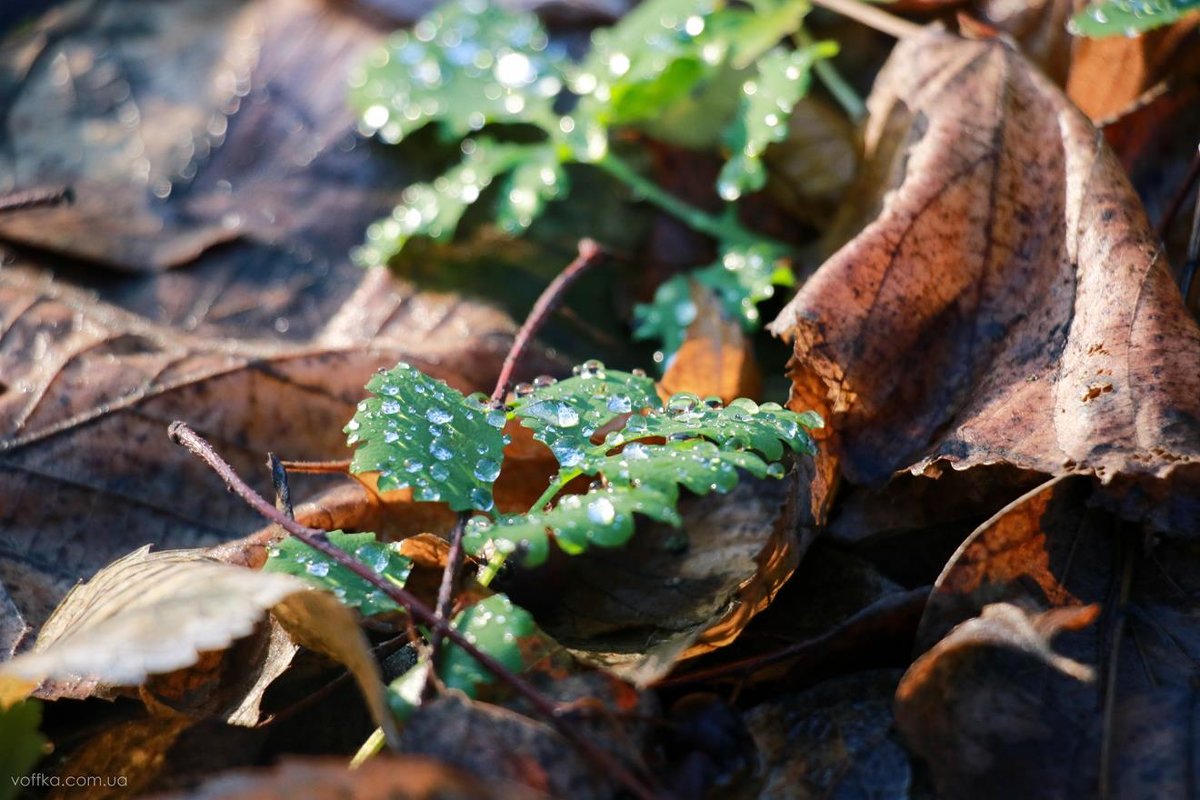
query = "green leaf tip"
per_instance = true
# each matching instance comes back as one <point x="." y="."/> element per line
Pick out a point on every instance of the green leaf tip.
<point x="293" y="557"/>
<point x="1128" y="17"/>
<point x="418" y="432"/>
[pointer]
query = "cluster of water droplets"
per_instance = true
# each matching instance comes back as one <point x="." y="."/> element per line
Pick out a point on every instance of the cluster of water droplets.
<point x="466" y="64"/>
<point x="1132" y="17"/>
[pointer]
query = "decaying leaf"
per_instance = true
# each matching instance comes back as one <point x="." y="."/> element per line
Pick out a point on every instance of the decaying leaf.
<point x="992" y="693"/>
<point x="832" y="740"/>
<point x="152" y="613"/>
<point x="381" y="778"/>
<point x="673" y="593"/>
<point x="1008" y="304"/>
<point x="91" y="391"/>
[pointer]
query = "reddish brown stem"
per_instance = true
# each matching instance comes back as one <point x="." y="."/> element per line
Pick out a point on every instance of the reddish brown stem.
<point x="590" y="254"/>
<point x="341" y="466"/>
<point x="446" y="590"/>
<point x="36" y="198"/>
<point x="315" y="538"/>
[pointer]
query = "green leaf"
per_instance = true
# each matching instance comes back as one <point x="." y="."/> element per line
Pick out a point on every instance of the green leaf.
<point x="698" y="465"/>
<point x="603" y="518"/>
<point x="703" y="447"/>
<point x="23" y="746"/>
<point x="1129" y="17"/>
<point x="782" y="78"/>
<point x="464" y="65"/>
<point x="745" y="276"/>
<point x="434" y="209"/>
<point x="566" y="414"/>
<point x="293" y="557"/>
<point x="742" y="425"/>
<point x="418" y="432"/>
<point x="496" y="626"/>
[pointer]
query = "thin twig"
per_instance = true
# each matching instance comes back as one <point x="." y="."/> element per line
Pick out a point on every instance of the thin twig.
<point x="36" y="198"/>
<point x="872" y="17"/>
<point x="445" y="597"/>
<point x="1179" y="197"/>
<point x="317" y="467"/>
<point x="315" y="538"/>
<point x="589" y="255"/>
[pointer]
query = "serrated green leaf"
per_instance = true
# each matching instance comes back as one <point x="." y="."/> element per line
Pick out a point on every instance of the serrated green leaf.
<point x="434" y="209"/>
<point x="536" y="179"/>
<point x="744" y="277"/>
<point x="566" y="414"/>
<point x="602" y="518"/>
<point x="418" y="432"/>
<point x="742" y="425"/>
<point x="696" y="464"/>
<point x="496" y="626"/>
<point x="782" y="78"/>
<point x="464" y="65"/>
<point x="293" y="557"/>
<point x="1129" y="17"/>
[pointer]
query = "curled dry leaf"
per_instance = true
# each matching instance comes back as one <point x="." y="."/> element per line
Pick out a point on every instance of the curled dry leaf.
<point x="381" y="778"/>
<point x="1008" y="304"/>
<point x="673" y="593"/>
<point x="990" y="694"/>
<point x="92" y="389"/>
<point x="153" y="613"/>
<point x="716" y="357"/>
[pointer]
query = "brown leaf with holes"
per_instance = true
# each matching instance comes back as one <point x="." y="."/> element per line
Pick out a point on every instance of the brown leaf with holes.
<point x="1007" y="304"/>
<point x="991" y="691"/>
<point x="90" y="391"/>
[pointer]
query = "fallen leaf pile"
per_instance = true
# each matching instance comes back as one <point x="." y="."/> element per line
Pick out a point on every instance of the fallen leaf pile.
<point x="984" y="584"/>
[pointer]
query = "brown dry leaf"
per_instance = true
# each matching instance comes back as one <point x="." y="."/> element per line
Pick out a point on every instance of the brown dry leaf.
<point x="157" y="116"/>
<point x="1008" y="303"/>
<point x="833" y="740"/>
<point x="133" y="753"/>
<point x="715" y="358"/>
<point x="381" y="778"/>
<point x="153" y="613"/>
<point x="512" y="744"/>
<point x="972" y="707"/>
<point x="89" y="391"/>
<point x="815" y="165"/>
<point x="672" y="593"/>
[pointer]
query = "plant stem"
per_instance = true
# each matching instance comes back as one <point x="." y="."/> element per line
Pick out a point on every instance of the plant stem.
<point x="842" y="91"/>
<point x="315" y="538"/>
<point x="720" y="228"/>
<point x="370" y="747"/>
<point x="590" y="254"/>
<point x="445" y="597"/>
<point x="872" y="17"/>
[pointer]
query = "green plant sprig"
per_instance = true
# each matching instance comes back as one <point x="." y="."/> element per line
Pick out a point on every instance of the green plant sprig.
<point x="698" y="73"/>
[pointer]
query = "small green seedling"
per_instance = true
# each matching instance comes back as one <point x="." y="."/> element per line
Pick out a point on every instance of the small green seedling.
<point x="697" y="73"/>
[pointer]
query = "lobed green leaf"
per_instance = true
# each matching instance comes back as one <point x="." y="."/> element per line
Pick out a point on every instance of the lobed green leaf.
<point x="293" y="557"/>
<point x="465" y="65"/>
<point x="416" y="431"/>
<point x="564" y="415"/>
<point x="1129" y="17"/>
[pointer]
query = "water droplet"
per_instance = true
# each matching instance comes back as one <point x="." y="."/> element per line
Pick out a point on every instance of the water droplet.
<point x="601" y="511"/>
<point x="438" y="415"/>
<point x="440" y="451"/>
<point x="439" y="472"/>
<point x="523" y="389"/>
<point x="542" y="381"/>
<point x="481" y="499"/>
<point x="487" y="470"/>
<point x="638" y="372"/>
<point x="775" y="470"/>
<point x="318" y="568"/>
<point x="620" y="404"/>
<point x="390" y="407"/>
